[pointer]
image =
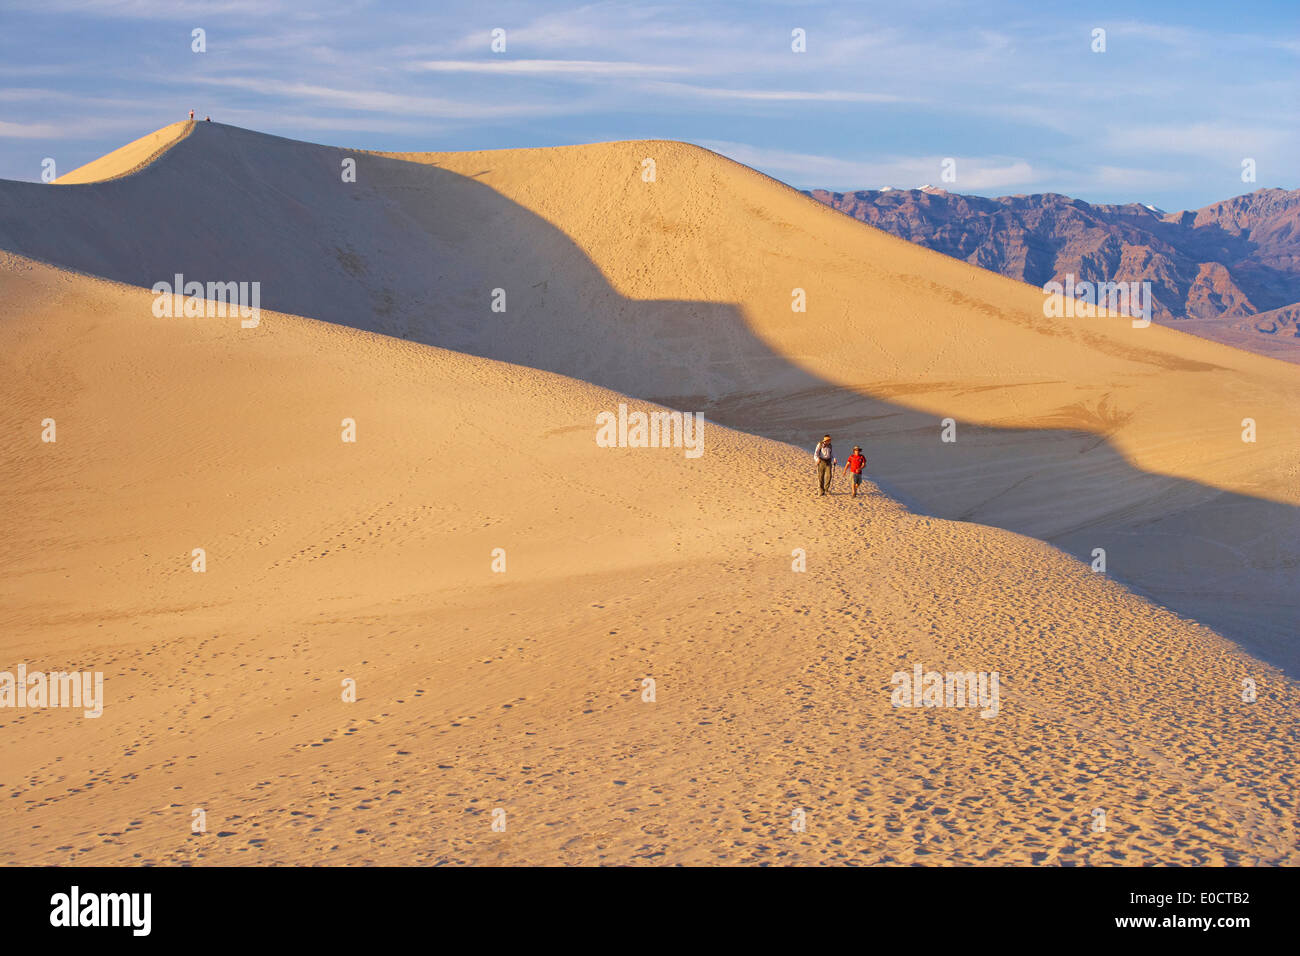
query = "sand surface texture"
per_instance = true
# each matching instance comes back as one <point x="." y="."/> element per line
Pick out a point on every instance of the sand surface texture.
<point x="523" y="691"/>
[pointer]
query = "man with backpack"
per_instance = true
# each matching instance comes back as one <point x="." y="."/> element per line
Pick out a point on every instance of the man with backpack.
<point x="826" y="463"/>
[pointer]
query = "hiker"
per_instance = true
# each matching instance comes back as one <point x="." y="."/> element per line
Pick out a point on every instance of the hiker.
<point x="207" y="119"/>
<point x="853" y="466"/>
<point x="191" y="116"/>
<point x="826" y="463"/>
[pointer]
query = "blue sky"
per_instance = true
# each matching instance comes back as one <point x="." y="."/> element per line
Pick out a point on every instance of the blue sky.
<point x="883" y="94"/>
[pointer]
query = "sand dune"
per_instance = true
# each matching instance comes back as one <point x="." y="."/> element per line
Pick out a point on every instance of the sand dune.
<point x="1085" y="433"/>
<point x="523" y="690"/>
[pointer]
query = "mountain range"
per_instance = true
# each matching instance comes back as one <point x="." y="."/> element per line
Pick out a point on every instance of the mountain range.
<point x="1235" y="262"/>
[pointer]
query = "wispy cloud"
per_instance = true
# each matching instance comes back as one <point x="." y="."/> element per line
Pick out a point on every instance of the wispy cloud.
<point x="835" y="172"/>
<point x="1214" y="141"/>
<point x="381" y="101"/>
<point x="155" y="9"/>
<point x="82" y="128"/>
<point x="601" y="68"/>
<point x="262" y="119"/>
<point x="773" y="96"/>
<point x="603" y="26"/>
<point x="29" y="130"/>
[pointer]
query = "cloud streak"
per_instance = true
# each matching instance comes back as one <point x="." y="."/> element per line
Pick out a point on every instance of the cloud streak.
<point x="881" y="94"/>
<point x="595" y="68"/>
<point x="842" y="174"/>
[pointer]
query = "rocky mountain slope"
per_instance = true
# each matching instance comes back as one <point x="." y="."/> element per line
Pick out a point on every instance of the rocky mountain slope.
<point x="1232" y="260"/>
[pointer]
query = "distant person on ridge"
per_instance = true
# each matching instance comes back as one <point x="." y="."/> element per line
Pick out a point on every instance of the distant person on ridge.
<point x="854" y="467"/>
<point x="826" y="463"/>
<point x="191" y="116"/>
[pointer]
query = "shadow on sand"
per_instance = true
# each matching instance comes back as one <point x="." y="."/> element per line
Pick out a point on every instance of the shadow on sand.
<point x="414" y="251"/>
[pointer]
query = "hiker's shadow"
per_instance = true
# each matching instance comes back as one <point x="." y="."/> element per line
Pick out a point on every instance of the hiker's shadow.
<point x="419" y="252"/>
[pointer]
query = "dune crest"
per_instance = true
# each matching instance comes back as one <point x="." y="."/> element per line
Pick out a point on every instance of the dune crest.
<point x="130" y="158"/>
